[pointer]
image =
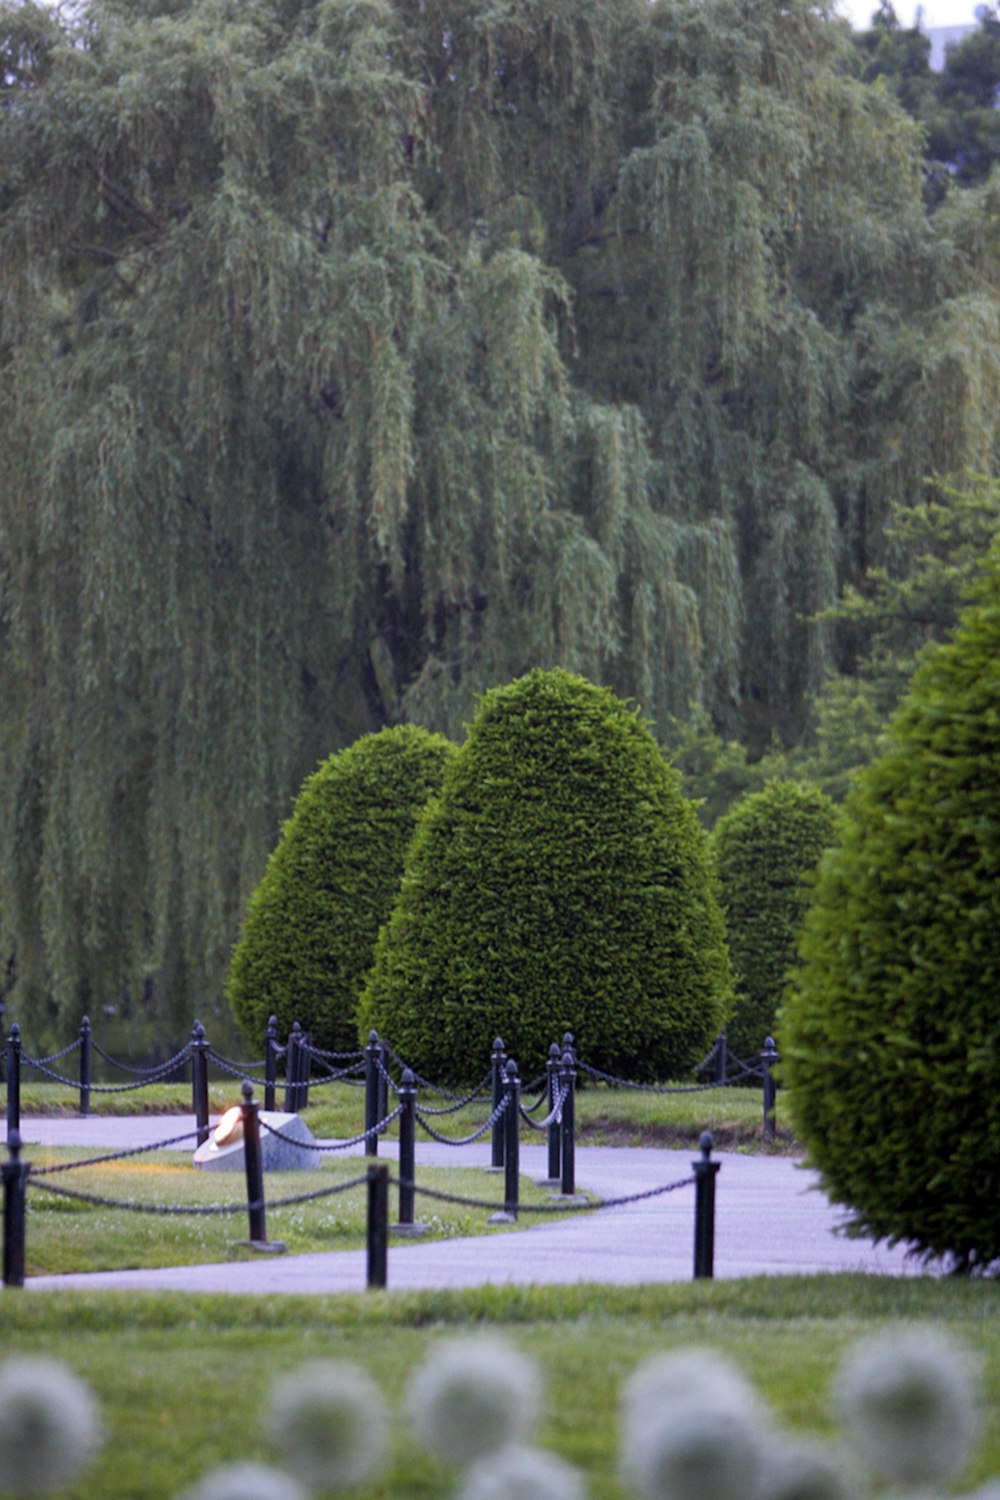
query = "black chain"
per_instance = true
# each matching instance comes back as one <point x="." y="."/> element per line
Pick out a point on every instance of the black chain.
<point x="571" y="1206"/>
<point x="327" y="1192"/>
<point x="465" y="1140"/>
<point x="96" y="1088"/>
<point x="334" y="1056"/>
<point x="334" y="1075"/>
<point x="424" y="1083"/>
<point x="174" y="1062"/>
<point x="650" y="1088"/>
<point x="334" y="1145"/>
<point x="451" y="1109"/>
<point x="385" y="1077"/>
<point x="54" y="1056"/>
<point x="93" y="1161"/>
<point x="230" y="1065"/>
<point x="554" y="1117"/>
<point x="130" y="1206"/>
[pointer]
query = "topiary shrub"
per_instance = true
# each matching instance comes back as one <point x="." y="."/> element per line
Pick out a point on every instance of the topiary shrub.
<point x="766" y="847"/>
<point x="560" y="881"/>
<point x="311" y="925"/>
<point x="889" y="1033"/>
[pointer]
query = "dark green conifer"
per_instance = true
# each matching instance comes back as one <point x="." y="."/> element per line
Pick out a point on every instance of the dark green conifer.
<point x="560" y="882"/>
<point x="889" y="1035"/>
<point x="310" y="929"/>
<point x="766" y="847"/>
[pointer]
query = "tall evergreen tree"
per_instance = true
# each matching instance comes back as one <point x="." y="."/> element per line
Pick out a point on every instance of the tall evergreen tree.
<point x="889" y="1030"/>
<point x="355" y="357"/>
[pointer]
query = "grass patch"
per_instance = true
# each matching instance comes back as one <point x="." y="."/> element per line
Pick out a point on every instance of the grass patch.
<point x="605" y="1116"/>
<point x="183" y="1379"/>
<point x="64" y="1234"/>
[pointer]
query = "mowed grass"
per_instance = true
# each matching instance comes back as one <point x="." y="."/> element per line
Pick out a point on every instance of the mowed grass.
<point x="67" y="1234"/>
<point x="183" y="1380"/>
<point x="604" y="1115"/>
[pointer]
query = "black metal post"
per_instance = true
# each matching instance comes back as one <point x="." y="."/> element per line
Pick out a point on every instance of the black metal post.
<point x="199" y="1080"/>
<point x="567" y="1081"/>
<point x="407" y="1145"/>
<point x="512" y="1141"/>
<point x="721" y="1057"/>
<point x="555" y="1126"/>
<point x="705" y="1173"/>
<point x="378" y="1223"/>
<point x="382" y="1065"/>
<point x="292" y="1068"/>
<point x="270" y="1061"/>
<point x="568" y="1045"/>
<point x="302" y="1071"/>
<point x="768" y="1058"/>
<point x="13" y="1080"/>
<point x="15" y="1177"/>
<point x="498" y="1061"/>
<point x="253" y="1162"/>
<point x="372" y="1091"/>
<point x="86" y="1065"/>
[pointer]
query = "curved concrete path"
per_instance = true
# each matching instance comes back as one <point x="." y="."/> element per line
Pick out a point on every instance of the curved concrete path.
<point x="770" y="1220"/>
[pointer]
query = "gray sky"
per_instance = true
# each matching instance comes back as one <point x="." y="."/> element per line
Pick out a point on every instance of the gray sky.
<point x="935" y="12"/>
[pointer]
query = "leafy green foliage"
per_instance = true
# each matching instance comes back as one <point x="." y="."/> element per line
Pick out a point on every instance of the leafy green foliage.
<point x="355" y="358"/>
<point x="766" y="847"/>
<point x="889" y="1034"/>
<point x="561" y="881"/>
<point x="311" y="924"/>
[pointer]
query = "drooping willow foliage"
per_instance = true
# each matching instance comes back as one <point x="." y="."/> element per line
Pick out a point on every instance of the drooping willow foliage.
<point x="359" y="355"/>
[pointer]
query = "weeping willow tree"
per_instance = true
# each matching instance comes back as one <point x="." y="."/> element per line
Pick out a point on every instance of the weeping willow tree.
<point x="359" y="356"/>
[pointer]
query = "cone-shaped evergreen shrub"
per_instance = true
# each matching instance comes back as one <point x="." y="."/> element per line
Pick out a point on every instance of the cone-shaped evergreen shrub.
<point x="890" y="1032"/>
<point x="561" y="881"/>
<point x="766" y="847"/>
<point x="311" y="925"/>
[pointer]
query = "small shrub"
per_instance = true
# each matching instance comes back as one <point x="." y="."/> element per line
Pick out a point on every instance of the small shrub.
<point x="766" y="847"/>
<point x="311" y="925"/>
<point x="889" y="1033"/>
<point x="561" y="881"/>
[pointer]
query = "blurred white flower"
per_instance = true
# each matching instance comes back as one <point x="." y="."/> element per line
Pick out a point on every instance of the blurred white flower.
<point x="692" y="1429"/>
<point x="528" y="1473"/>
<point x="472" y="1396"/>
<point x="694" y="1451"/>
<point x="50" y="1426"/>
<point x="245" y="1481"/>
<point x="688" y="1375"/>
<point x="794" y="1468"/>
<point x="329" y="1421"/>
<point x="908" y="1400"/>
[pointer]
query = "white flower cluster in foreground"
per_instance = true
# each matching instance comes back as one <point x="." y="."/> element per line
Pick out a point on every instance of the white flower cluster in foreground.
<point x="692" y="1428"/>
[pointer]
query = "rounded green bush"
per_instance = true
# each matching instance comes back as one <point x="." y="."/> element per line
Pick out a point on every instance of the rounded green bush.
<point x="560" y="882"/>
<point x="766" y="847"/>
<point x="889" y="1032"/>
<point x="311" y="924"/>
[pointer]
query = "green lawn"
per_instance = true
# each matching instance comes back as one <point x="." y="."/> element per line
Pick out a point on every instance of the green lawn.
<point x="183" y="1380"/>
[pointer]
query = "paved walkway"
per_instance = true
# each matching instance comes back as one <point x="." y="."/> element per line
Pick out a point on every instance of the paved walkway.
<point x="770" y="1220"/>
